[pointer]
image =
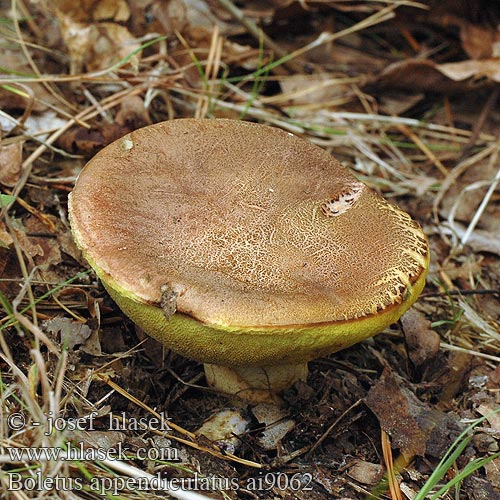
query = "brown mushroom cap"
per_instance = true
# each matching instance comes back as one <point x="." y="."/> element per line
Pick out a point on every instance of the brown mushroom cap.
<point x="242" y="225"/>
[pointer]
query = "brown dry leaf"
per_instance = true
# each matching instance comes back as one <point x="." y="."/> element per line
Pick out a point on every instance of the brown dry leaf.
<point x="9" y="270"/>
<point x="101" y="439"/>
<point x="40" y="124"/>
<point x="307" y="89"/>
<point x="480" y="240"/>
<point x="480" y="41"/>
<point x="72" y="333"/>
<point x="5" y="238"/>
<point x="11" y="157"/>
<point x="462" y="270"/>
<point x="133" y="114"/>
<point x="116" y="10"/>
<point x="475" y="70"/>
<point x="88" y="142"/>
<point x="452" y="380"/>
<point x="422" y="342"/>
<point x="97" y="46"/>
<point x="419" y="75"/>
<point x="170" y="14"/>
<point x="366" y="472"/>
<point x="478" y="488"/>
<point x="467" y="192"/>
<point x="158" y="16"/>
<point x="38" y="236"/>
<point x="76" y="37"/>
<point x="93" y="10"/>
<point x="492" y="469"/>
<point x="488" y="411"/>
<point x="111" y="43"/>
<point x="30" y="248"/>
<point x="397" y="103"/>
<point x="414" y="427"/>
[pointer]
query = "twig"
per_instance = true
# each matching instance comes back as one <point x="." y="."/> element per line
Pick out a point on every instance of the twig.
<point x="471" y="352"/>
<point x="389" y="464"/>
<point x="213" y="451"/>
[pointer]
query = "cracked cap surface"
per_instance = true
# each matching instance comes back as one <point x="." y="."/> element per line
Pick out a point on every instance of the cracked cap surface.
<point x="242" y="225"/>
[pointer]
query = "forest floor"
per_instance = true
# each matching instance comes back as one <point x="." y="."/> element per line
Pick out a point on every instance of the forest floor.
<point x="405" y="94"/>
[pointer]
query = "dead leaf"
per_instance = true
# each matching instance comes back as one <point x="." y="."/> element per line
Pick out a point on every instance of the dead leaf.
<point x="492" y="469"/>
<point x="223" y="428"/>
<point x="72" y="333"/>
<point x="111" y="43"/>
<point x="480" y="41"/>
<point x="453" y="379"/>
<point x="97" y="46"/>
<point x="40" y="124"/>
<point x="85" y="11"/>
<point x="38" y="243"/>
<point x="11" y="158"/>
<point x="366" y="472"/>
<point x="5" y="238"/>
<point x="465" y="70"/>
<point x="478" y="488"/>
<point x="89" y="141"/>
<point x="170" y="14"/>
<point x="277" y="423"/>
<point x="414" y="427"/>
<point x="307" y="89"/>
<point x="480" y="240"/>
<point x="419" y="75"/>
<point x="101" y="439"/>
<point x="133" y="114"/>
<point x="485" y="443"/>
<point x="116" y="10"/>
<point x="422" y="343"/>
<point x="486" y="410"/>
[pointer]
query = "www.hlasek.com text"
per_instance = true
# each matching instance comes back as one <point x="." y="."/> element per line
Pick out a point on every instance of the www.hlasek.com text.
<point x="81" y="452"/>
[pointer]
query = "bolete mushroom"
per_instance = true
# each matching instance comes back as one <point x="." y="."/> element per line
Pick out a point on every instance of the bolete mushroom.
<point x="244" y="247"/>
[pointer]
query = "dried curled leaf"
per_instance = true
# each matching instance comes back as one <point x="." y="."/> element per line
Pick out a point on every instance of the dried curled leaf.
<point x="11" y="156"/>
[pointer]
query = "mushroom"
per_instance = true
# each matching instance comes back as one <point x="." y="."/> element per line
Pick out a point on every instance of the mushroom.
<point x="244" y="247"/>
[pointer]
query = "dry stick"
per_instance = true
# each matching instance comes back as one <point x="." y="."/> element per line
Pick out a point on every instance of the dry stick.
<point x="460" y="291"/>
<point x="212" y="68"/>
<point x="259" y="35"/>
<point x="470" y="352"/>
<point x="213" y="451"/>
<point x="389" y="463"/>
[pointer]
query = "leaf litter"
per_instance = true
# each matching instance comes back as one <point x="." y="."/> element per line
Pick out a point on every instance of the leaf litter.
<point x="402" y="92"/>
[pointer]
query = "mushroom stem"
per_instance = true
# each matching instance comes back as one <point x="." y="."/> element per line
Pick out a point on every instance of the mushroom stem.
<point x="256" y="384"/>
